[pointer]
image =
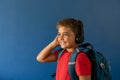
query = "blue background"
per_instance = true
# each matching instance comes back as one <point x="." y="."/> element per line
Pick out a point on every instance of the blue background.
<point x="26" y="26"/>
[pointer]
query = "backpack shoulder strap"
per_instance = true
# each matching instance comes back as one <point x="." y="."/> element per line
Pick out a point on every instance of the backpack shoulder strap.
<point x="71" y="65"/>
<point x="60" y="51"/>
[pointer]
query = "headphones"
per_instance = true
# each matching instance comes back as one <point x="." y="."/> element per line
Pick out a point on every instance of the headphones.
<point x="79" y="38"/>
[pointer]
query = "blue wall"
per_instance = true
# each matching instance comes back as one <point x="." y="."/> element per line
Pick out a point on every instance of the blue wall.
<point x="26" y="26"/>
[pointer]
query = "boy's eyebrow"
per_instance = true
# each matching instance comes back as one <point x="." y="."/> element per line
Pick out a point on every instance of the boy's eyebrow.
<point x="64" y="32"/>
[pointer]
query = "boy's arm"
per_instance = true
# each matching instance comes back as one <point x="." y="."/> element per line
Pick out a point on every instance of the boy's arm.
<point x="46" y="54"/>
<point x="85" y="77"/>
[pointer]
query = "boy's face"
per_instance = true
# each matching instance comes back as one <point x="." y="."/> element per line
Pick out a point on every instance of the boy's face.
<point x="66" y="37"/>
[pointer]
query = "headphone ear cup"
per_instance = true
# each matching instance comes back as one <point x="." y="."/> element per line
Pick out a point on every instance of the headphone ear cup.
<point x="78" y="39"/>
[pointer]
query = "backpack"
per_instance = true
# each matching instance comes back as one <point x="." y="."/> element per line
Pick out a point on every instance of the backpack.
<point x="100" y="65"/>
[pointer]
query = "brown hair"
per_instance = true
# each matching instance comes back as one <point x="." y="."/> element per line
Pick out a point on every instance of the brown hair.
<point x="75" y="25"/>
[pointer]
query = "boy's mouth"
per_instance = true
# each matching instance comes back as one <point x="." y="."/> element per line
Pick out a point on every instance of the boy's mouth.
<point x="62" y="43"/>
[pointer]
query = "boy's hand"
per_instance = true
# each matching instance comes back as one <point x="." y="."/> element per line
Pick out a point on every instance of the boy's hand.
<point x="55" y="42"/>
<point x="46" y="55"/>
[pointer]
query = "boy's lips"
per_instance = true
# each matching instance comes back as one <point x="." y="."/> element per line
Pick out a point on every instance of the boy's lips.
<point x="62" y="43"/>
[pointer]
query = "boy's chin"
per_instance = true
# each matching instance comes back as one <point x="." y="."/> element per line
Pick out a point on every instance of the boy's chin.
<point x="63" y="47"/>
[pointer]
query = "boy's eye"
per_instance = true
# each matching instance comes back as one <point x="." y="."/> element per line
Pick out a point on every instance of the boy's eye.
<point x="58" y="34"/>
<point x="62" y="35"/>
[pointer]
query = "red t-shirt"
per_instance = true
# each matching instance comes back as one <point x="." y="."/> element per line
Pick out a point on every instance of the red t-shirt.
<point x="82" y="66"/>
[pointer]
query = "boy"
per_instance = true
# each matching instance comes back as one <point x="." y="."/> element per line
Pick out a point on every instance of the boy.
<point x="70" y="35"/>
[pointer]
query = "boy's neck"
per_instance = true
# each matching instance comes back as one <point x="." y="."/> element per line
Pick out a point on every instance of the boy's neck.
<point x="72" y="49"/>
